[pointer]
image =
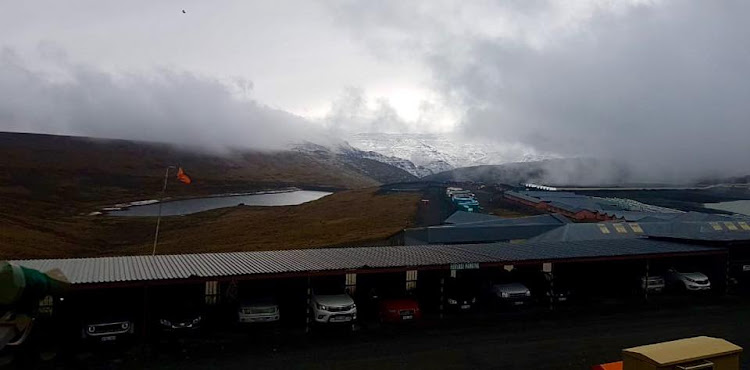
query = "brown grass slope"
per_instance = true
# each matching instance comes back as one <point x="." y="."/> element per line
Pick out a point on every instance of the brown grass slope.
<point x="344" y="218"/>
<point x="48" y="182"/>
<point x="82" y="171"/>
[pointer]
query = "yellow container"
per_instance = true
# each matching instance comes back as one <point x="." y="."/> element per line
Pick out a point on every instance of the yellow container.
<point x="699" y="353"/>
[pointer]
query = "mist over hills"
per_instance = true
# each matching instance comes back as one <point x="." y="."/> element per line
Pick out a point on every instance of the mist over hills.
<point x="571" y="172"/>
<point x="73" y="170"/>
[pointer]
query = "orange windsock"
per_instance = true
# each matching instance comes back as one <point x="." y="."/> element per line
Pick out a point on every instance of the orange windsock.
<point x="182" y="176"/>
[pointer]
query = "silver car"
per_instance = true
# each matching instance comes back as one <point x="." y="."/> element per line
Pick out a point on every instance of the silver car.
<point x="692" y="281"/>
<point x="258" y="311"/>
<point x="513" y="294"/>
<point x="653" y="283"/>
<point x="333" y="308"/>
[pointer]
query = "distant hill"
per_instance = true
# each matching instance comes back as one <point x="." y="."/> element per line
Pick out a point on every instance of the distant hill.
<point x="561" y="172"/>
<point x="48" y="183"/>
<point x="427" y="154"/>
<point x="76" y="170"/>
<point x="572" y="172"/>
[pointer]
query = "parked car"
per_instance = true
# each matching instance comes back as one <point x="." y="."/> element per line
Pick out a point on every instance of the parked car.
<point x="333" y="308"/>
<point x="260" y="310"/>
<point x="653" y="283"/>
<point x="180" y="317"/>
<point x="459" y="297"/>
<point x="108" y="328"/>
<point x="395" y="310"/>
<point x="546" y="288"/>
<point x="692" y="281"/>
<point x="509" y="294"/>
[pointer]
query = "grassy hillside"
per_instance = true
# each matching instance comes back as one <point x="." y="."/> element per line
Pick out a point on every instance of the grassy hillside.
<point x="48" y="183"/>
<point x="83" y="171"/>
<point x="347" y="217"/>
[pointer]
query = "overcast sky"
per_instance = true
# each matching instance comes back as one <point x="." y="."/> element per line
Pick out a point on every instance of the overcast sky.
<point x="661" y="84"/>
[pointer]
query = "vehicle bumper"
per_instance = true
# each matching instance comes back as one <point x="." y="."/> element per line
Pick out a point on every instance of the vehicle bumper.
<point x="109" y="337"/>
<point x="256" y="319"/>
<point x="325" y="317"/>
<point x="398" y="318"/>
<point x="459" y="307"/>
<point x="180" y="328"/>
<point x="697" y="288"/>
<point x="513" y="302"/>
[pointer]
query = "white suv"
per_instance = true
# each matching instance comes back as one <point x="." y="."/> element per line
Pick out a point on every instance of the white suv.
<point x="333" y="308"/>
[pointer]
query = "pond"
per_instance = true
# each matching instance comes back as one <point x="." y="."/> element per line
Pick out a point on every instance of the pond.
<point x="188" y="206"/>
<point x="736" y="206"/>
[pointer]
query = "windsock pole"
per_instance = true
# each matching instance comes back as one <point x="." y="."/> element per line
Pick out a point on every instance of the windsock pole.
<point x="158" y="216"/>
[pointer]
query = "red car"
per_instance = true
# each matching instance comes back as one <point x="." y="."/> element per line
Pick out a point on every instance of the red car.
<point x="399" y="310"/>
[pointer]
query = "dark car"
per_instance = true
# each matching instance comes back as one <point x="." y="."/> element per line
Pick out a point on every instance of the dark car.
<point x="459" y="297"/>
<point x="546" y="288"/>
<point x="108" y="326"/>
<point x="179" y="316"/>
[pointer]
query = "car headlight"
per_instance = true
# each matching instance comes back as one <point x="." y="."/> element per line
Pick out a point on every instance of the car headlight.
<point x="321" y="307"/>
<point x="125" y="325"/>
<point x="452" y="301"/>
<point x="197" y="320"/>
<point x="528" y="293"/>
<point x="165" y="322"/>
<point x="474" y="300"/>
<point x="504" y="294"/>
<point x="91" y="329"/>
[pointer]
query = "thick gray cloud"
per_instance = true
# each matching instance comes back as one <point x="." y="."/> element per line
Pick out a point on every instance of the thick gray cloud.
<point x="159" y="105"/>
<point x="659" y="86"/>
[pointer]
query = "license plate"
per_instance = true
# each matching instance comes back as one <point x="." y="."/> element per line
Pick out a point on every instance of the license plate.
<point x="407" y="317"/>
<point x="563" y="299"/>
<point x="109" y="338"/>
<point x="341" y="318"/>
<point x="465" y="307"/>
<point x="517" y="303"/>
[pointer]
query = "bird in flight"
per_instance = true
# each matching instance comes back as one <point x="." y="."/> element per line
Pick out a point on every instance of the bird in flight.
<point x="183" y="11"/>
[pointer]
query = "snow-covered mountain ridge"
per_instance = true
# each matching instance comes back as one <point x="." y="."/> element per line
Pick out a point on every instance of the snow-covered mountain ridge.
<point x="426" y="154"/>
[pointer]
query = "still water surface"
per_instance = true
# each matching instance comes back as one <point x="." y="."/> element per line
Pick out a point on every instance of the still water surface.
<point x="188" y="206"/>
<point x="736" y="206"/>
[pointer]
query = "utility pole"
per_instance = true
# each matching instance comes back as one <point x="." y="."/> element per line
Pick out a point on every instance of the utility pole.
<point x="158" y="217"/>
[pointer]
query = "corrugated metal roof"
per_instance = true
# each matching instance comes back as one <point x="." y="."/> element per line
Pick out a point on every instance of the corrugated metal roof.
<point x="543" y="251"/>
<point x="476" y="233"/>
<point x="215" y="265"/>
<point x="522" y="196"/>
<point x="701" y="231"/>
<point x="461" y="217"/>
<point x="700" y="216"/>
<point x="469" y="219"/>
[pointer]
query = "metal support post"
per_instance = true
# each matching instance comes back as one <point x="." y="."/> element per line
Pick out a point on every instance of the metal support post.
<point x="161" y="201"/>
<point x="645" y="286"/>
<point x="309" y="311"/>
<point x="727" y="273"/>
<point x="442" y="296"/>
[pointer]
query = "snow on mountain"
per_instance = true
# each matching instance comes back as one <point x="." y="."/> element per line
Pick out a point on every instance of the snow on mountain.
<point x="427" y="154"/>
<point x="375" y="165"/>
